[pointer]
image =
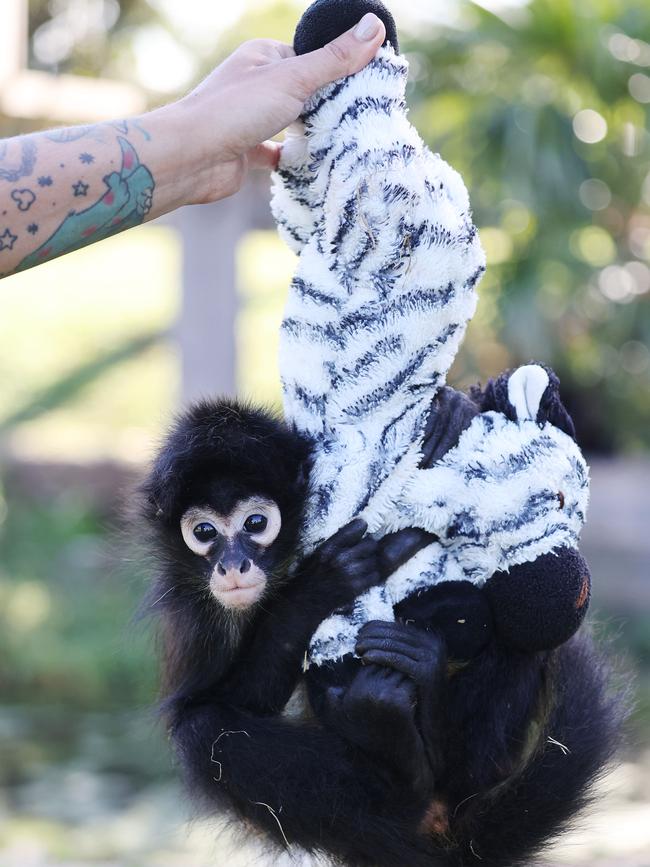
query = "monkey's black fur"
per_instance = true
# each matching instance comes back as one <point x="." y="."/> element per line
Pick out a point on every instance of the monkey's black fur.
<point x="469" y="771"/>
<point x="224" y="441"/>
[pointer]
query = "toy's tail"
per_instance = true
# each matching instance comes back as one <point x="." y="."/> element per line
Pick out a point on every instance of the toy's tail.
<point x="578" y="740"/>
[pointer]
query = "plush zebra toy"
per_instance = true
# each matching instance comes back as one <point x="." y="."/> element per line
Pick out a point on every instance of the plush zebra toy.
<point x="388" y="264"/>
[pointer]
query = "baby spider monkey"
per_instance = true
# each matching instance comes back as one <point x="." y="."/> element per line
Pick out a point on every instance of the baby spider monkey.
<point x="378" y="773"/>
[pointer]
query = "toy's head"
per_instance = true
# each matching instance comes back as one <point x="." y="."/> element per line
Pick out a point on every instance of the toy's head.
<point x="324" y="20"/>
<point x="538" y="604"/>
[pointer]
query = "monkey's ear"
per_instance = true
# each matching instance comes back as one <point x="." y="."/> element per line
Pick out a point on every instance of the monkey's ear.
<point x="324" y="20"/>
<point x="160" y="489"/>
<point x="538" y="606"/>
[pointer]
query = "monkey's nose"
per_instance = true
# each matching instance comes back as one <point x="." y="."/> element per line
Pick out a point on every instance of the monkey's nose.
<point x="244" y="566"/>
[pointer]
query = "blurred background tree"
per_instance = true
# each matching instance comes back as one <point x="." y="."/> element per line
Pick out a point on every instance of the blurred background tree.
<point x="543" y="107"/>
<point x="544" y="110"/>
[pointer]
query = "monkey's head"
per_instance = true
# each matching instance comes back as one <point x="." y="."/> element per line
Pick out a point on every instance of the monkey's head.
<point x="224" y="502"/>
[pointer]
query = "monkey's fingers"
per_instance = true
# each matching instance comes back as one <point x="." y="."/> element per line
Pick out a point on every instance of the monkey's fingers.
<point x="379" y="630"/>
<point x="364" y="549"/>
<point x="396" y="548"/>
<point x="396" y="661"/>
<point x="361" y="580"/>
<point x="450" y="414"/>
<point x="347" y="536"/>
<point x="385" y="645"/>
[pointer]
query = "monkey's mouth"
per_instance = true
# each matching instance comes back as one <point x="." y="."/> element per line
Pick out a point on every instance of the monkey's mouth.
<point x="238" y="596"/>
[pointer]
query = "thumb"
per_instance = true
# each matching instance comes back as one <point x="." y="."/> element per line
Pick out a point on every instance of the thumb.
<point x="345" y="55"/>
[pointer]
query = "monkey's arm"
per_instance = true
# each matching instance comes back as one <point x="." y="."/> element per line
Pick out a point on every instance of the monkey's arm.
<point x="266" y="672"/>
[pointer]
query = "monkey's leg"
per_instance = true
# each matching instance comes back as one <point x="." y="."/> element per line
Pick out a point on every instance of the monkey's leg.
<point x="421" y="657"/>
<point x="579" y="731"/>
<point x="301" y="784"/>
<point x="377" y="713"/>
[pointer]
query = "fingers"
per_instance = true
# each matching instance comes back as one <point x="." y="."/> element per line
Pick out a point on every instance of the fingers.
<point x="396" y="661"/>
<point x="347" y="536"/>
<point x="450" y="414"/>
<point x="346" y="55"/>
<point x="387" y="645"/>
<point x="396" y="548"/>
<point x="377" y="631"/>
<point x="265" y="155"/>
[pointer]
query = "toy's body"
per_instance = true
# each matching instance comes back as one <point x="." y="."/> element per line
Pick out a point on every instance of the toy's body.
<point x="385" y="285"/>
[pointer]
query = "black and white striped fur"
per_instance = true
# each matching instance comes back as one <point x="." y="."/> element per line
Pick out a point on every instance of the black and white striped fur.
<point x="389" y="260"/>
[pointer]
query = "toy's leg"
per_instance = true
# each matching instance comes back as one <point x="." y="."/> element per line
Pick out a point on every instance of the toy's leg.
<point x="450" y="414"/>
<point x="539" y="605"/>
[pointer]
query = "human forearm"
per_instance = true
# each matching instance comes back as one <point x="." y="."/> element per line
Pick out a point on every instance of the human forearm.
<point x="66" y="188"/>
<point x="63" y="189"/>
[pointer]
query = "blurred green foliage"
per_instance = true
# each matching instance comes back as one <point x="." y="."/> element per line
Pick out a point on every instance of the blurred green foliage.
<point x="545" y="113"/>
<point x="67" y="601"/>
<point x="544" y="110"/>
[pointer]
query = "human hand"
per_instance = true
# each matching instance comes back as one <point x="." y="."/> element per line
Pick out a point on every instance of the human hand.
<point x="225" y="123"/>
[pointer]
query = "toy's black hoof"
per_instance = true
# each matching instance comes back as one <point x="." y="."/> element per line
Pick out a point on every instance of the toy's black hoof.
<point x="538" y="606"/>
<point x="324" y="20"/>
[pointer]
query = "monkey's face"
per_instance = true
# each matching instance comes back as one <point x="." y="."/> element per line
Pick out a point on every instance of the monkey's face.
<point x="234" y="545"/>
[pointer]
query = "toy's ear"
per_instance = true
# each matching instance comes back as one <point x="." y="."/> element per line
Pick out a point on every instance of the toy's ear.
<point x="324" y="20"/>
<point x="538" y="606"/>
<point x="531" y="392"/>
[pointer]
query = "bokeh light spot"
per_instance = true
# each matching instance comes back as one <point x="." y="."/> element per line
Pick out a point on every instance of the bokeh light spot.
<point x="617" y="284"/>
<point x="593" y="245"/>
<point x="589" y="126"/>
<point x="28" y="606"/>
<point x="635" y="357"/>
<point x="595" y="194"/>
<point x="497" y="243"/>
<point x="639" y="87"/>
<point x="640" y="273"/>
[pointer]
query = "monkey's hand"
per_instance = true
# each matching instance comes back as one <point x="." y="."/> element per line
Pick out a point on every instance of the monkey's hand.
<point x="376" y="713"/>
<point x="351" y="562"/>
<point x="412" y="652"/>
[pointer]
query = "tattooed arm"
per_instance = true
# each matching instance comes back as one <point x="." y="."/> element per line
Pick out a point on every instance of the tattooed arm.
<point x="63" y="189"/>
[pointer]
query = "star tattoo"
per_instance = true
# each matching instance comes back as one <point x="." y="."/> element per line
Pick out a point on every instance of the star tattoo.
<point x="32" y="228"/>
<point x="86" y="158"/>
<point x="80" y="189"/>
<point x="45" y="181"/>
<point x="7" y="240"/>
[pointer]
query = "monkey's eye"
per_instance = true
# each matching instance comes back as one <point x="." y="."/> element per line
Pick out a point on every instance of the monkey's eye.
<point x="255" y="524"/>
<point x="204" y="532"/>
